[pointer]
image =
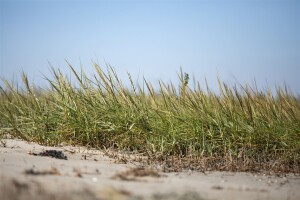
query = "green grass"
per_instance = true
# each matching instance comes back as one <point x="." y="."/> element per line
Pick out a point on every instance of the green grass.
<point x="239" y="126"/>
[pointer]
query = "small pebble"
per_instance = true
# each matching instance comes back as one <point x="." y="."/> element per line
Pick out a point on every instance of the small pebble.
<point x="94" y="179"/>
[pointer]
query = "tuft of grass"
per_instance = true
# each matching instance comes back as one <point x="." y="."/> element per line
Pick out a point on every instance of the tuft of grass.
<point x="235" y="129"/>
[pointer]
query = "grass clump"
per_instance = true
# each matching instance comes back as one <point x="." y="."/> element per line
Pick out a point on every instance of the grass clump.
<point x="240" y="128"/>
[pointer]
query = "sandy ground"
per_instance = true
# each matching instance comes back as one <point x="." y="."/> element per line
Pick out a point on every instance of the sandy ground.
<point x="89" y="174"/>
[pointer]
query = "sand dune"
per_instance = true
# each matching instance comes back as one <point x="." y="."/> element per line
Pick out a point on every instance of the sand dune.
<point x="27" y="172"/>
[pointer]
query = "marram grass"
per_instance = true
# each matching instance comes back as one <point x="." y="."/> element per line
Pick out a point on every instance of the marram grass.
<point x="240" y="128"/>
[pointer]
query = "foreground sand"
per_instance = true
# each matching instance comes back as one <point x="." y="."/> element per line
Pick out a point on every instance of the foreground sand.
<point x="89" y="174"/>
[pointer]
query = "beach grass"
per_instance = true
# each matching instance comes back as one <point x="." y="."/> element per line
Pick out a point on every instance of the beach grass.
<point x="237" y="128"/>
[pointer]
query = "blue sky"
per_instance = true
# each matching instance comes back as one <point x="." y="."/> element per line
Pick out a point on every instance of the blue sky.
<point x="241" y="40"/>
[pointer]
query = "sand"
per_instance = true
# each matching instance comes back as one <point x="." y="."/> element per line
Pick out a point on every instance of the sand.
<point x="91" y="174"/>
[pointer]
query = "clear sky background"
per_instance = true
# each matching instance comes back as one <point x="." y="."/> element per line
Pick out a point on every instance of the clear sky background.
<point x="242" y="39"/>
